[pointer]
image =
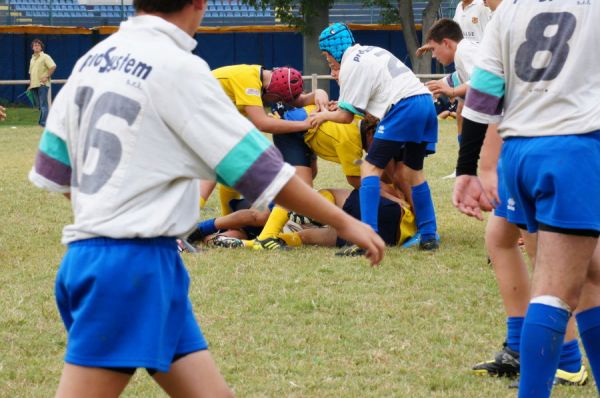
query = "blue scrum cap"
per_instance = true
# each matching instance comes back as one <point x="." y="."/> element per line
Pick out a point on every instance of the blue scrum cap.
<point x="336" y="39"/>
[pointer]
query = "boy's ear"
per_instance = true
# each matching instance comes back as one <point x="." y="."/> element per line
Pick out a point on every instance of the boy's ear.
<point x="200" y="4"/>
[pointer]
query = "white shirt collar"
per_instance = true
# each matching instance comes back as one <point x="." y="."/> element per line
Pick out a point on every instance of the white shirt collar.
<point x="181" y="38"/>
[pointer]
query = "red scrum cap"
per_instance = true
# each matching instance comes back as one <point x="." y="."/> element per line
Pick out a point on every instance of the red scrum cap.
<point x="286" y="83"/>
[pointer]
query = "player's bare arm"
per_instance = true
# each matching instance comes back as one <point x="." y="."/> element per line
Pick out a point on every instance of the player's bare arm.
<point x="339" y="116"/>
<point x="263" y="122"/>
<point x="318" y="97"/>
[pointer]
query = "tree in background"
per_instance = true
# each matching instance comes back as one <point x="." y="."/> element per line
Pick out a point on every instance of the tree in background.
<point x="312" y="16"/>
<point x="402" y="12"/>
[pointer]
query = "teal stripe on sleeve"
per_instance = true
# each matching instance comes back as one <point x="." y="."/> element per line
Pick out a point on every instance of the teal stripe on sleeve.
<point x="350" y="108"/>
<point x="241" y="157"/>
<point x="54" y="147"/>
<point x="455" y="79"/>
<point x="487" y="82"/>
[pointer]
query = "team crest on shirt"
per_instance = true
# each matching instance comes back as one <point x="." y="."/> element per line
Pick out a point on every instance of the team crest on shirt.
<point x="475" y="20"/>
<point x="381" y="129"/>
<point x="253" y="91"/>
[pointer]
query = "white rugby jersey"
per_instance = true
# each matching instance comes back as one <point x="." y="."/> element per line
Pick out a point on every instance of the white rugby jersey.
<point x="138" y="122"/>
<point x="472" y="19"/>
<point x="373" y="79"/>
<point x="467" y="53"/>
<point x="537" y="65"/>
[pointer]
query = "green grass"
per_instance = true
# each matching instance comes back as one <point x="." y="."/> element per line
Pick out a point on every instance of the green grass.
<point x="21" y="116"/>
<point x="293" y="324"/>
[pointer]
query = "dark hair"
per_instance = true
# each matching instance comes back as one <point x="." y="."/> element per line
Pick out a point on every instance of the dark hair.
<point x="38" y="41"/>
<point x="162" y="6"/>
<point x="367" y="130"/>
<point x="444" y="29"/>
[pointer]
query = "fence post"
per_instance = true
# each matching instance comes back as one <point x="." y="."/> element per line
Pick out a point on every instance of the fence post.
<point x="314" y="82"/>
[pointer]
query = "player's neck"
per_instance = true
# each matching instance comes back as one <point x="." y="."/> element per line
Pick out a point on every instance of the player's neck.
<point x="188" y="19"/>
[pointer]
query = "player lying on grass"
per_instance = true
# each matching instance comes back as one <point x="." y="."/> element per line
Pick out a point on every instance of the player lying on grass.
<point x="2" y="112"/>
<point x="396" y="224"/>
<point x="128" y="150"/>
<point x="335" y="142"/>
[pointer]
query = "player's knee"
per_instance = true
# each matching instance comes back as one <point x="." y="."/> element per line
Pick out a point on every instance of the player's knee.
<point x="368" y="169"/>
<point x="499" y="234"/>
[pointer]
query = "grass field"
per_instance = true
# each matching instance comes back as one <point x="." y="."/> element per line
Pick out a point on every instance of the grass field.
<point x="292" y="324"/>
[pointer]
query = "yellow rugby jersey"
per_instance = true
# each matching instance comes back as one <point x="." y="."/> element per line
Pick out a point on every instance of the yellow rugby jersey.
<point x="336" y="142"/>
<point x="242" y="84"/>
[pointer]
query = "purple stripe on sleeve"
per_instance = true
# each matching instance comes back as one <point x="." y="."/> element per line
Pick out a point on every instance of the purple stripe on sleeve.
<point x="483" y="103"/>
<point x="261" y="174"/>
<point x="53" y="170"/>
<point x="449" y="80"/>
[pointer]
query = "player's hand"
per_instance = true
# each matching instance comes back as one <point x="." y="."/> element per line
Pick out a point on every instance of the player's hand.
<point x="316" y="119"/>
<point x="363" y="236"/>
<point x="2" y="113"/>
<point x="422" y="50"/>
<point x="321" y="100"/>
<point x="332" y="106"/>
<point x="469" y="197"/>
<point x="488" y="177"/>
<point x="437" y="87"/>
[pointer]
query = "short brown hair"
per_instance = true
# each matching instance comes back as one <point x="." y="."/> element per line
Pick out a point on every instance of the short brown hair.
<point x="38" y="41"/>
<point x="444" y="29"/>
<point x="162" y="6"/>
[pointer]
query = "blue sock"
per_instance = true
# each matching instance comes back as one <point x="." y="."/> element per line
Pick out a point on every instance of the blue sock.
<point x="570" y="357"/>
<point x="207" y="227"/>
<point x="424" y="211"/>
<point x="459" y="139"/>
<point x="541" y="344"/>
<point x="588" y="322"/>
<point x="514" y="327"/>
<point x="369" y="200"/>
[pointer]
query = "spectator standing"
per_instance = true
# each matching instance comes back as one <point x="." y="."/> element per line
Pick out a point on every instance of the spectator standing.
<point x="41" y="68"/>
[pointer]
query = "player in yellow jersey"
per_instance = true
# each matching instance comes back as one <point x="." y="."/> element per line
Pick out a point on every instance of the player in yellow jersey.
<point x="336" y="142"/>
<point x="250" y="88"/>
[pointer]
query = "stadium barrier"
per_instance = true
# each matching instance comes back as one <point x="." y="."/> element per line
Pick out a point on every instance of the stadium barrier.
<point x="269" y="46"/>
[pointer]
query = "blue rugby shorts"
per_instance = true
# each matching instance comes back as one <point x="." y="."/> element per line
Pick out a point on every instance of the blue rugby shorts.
<point x="554" y="180"/>
<point x="124" y="303"/>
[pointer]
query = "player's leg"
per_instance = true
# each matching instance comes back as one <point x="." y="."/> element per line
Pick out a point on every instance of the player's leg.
<point x="79" y="381"/>
<point x="206" y="188"/>
<point x="298" y="154"/>
<point x="226" y="195"/>
<point x="561" y="269"/>
<point x="194" y="375"/>
<point x="421" y="196"/>
<point x="588" y="316"/>
<point x="318" y="236"/>
<point x="512" y="277"/>
<point x="370" y="185"/>
<point x="562" y="203"/>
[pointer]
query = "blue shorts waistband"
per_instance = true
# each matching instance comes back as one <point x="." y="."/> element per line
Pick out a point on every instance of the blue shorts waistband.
<point x="164" y="241"/>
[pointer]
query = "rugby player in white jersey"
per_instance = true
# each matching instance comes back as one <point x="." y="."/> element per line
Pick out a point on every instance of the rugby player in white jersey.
<point x="373" y="80"/>
<point x="126" y="140"/>
<point x="550" y="163"/>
